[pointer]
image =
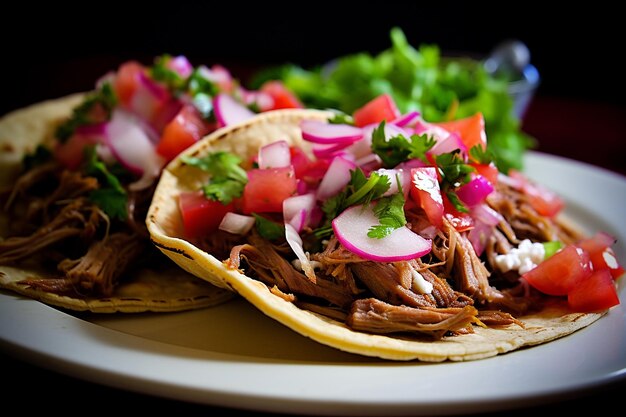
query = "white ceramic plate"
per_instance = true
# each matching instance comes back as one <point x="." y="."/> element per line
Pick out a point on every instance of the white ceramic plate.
<point x="234" y="356"/>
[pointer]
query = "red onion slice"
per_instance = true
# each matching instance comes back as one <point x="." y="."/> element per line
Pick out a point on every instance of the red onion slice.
<point x="402" y="244"/>
<point x="274" y="155"/>
<point x="295" y="242"/>
<point x="297" y="210"/>
<point x="475" y="191"/>
<point x="180" y="65"/>
<point x="132" y="147"/>
<point x="229" y="111"/>
<point x="328" y="133"/>
<point x="406" y="119"/>
<point x="449" y="144"/>
<point x="336" y="177"/>
<point x="237" y="224"/>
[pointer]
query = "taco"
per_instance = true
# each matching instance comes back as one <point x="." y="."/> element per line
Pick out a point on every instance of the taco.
<point x="77" y="175"/>
<point x="428" y="290"/>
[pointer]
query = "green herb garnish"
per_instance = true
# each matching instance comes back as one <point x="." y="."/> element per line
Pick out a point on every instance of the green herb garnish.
<point x="398" y="148"/>
<point x="268" y="229"/>
<point x="227" y="180"/>
<point x="390" y="213"/>
<point x="111" y="197"/>
<point x="82" y="115"/>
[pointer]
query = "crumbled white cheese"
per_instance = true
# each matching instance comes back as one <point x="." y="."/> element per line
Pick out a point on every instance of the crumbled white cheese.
<point x="523" y="258"/>
<point x="419" y="284"/>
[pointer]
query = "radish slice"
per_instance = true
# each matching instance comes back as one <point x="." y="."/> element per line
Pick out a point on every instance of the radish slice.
<point x="132" y="147"/>
<point x="295" y="241"/>
<point x="229" y="111"/>
<point x="274" y="155"/>
<point x="475" y="191"/>
<point x="337" y="177"/>
<point x="406" y="119"/>
<point x="327" y="133"/>
<point x="402" y="244"/>
<point x="237" y="224"/>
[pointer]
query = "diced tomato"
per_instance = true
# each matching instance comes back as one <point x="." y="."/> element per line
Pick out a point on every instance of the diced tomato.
<point x="70" y="154"/>
<point x="601" y="253"/>
<point x="606" y="259"/>
<point x="562" y="272"/>
<point x="543" y="200"/>
<point x="375" y="111"/>
<point x="183" y="131"/>
<point x="310" y="172"/>
<point x="201" y="216"/>
<point x="425" y="192"/>
<point x="489" y="171"/>
<point x="595" y="293"/>
<point x="471" y="129"/>
<point x="127" y="81"/>
<point x="283" y="98"/>
<point x="460" y="221"/>
<point x="546" y="202"/>
<point x="267" y="189"/>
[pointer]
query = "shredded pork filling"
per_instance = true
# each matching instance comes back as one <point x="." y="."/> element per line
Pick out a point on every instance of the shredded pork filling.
<point x="378" y="297"/>
<point x="52" y="220"/>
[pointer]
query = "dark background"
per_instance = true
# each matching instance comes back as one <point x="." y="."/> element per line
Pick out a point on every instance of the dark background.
<point x="54" y="49"/>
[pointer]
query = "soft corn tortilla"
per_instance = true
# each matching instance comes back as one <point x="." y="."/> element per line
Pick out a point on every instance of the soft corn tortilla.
<point x="165" y="227"/>
<point x="146" y="290"/>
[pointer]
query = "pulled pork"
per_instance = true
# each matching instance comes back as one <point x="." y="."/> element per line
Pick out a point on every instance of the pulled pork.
<point x="379" y="297"/>
<point x="51" y="219"/>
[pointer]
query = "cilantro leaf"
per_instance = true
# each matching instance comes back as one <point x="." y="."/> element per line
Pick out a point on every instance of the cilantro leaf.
<point x="161" y="73"/>
<point x="456" y="201"/>
<point x="199" y="83"/>
<point x="341" y="118"/>
<point x="268" y="229"/>
<point x="481" y="155"/>
<point x="398" y="148"/>
<point x="111" y="197"/>
<point x="104" y="98"/>
<point x="227" y="180"/>
<point x="111" y="201"/>
<point x="454" y="171"/>
<point x="360" y="190"/>
<point x="390" y="213"/>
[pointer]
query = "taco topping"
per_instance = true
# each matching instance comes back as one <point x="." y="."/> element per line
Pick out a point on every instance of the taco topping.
<point x="398" y="225"/>
<point x="79" y="206"/>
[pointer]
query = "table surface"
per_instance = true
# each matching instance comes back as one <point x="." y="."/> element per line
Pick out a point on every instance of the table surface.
<point x="592" y="132"/>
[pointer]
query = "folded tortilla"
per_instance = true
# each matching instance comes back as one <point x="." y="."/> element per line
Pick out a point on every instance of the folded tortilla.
<point x="159" y="290"/>
<point x="165" y="226"/>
